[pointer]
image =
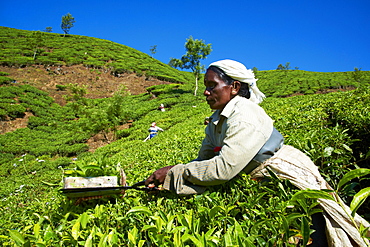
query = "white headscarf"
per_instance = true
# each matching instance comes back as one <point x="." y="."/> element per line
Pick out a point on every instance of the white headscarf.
<point x="239" y="72"/>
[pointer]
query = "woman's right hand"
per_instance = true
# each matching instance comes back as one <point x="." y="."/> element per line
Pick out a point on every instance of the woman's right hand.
<point x="158" y="177"/>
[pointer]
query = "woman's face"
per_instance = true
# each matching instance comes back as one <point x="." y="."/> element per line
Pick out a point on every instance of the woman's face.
<point x="217" y="92"/>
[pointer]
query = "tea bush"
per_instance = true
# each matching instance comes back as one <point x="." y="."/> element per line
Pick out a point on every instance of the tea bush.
<point x="4" y="79"/>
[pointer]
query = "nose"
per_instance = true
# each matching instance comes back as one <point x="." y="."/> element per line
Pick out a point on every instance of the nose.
<point x="206" y="92"/>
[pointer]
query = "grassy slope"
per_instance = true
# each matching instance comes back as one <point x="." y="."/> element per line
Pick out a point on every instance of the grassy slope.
<point x="22" y="48"/>
<point x="296" y="117"/>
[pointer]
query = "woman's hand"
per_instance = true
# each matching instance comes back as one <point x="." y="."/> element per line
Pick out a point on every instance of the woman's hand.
<point x="158" y="177"/>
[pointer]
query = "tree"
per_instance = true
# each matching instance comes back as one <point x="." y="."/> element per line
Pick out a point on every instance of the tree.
<point x="195" y="51"/>
<point x="76" y="98"/>
<point x="67" y="23"/>
<point x="282" y="67"/>
<point x="48" y="29"/>
<point x="287" y="66"/>
<point x="153" y="49"/>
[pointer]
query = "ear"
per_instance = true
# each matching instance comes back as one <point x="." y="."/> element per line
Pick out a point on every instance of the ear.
<point x="236" y="87"/>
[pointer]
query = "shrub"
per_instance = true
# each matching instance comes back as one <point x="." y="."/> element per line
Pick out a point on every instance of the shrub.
<point x="61" y="87"/>
<point x="15" y="110"/>
<point x="5" y="80"/>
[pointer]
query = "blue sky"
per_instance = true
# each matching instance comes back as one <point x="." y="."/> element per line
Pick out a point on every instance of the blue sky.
<point x="322" y="36"/>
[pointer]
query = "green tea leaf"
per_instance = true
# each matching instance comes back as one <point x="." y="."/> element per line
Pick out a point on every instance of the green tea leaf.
<point x="132" y="235"/>
<point x="359" y="199"/>
<point x="184" y="237"/>
<point x="141" y="243"/>
<point x="351" y="175"/>
<point x="311" y="194"/>
<point x="170" y="223"/>
<point x="209" y="233"/>
<point x="364" y="231"/>
<point x="94" y="167"/>
<point x="27" y="228"/>
<point x="36" y="230"/>
<point x="84" y="219"/>
<point x="17" y="237"/>
<point x="215" y="210"/>
<point x="305" y="230"/>
<point x="140" y="209"/>
<point x="158" y="222"/>
<point x="197" y="242"/>
<point x="112" y="237"/>
<point x="347" y="147"/>
<point x="76" y="230"/>
<point x="69" y="172"/>
<point x="49" y="233"/>
<point x="4" y="237"/>
<point x="285" y="226"/>
<point x="103" y="240"/>
<point x="238" y="229"/>
<point x="293" y="216"/>
<point x="89" y="240"/>
<point x="149" y="228"/>
<point x="228" y="238"/>
<point x="50" y="184"/>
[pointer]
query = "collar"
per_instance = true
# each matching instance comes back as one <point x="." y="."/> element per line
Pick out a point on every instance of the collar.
<point x="226" y="112"/>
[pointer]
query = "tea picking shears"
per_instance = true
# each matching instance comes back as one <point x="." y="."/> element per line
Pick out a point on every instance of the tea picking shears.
<point x="107" y="190"/>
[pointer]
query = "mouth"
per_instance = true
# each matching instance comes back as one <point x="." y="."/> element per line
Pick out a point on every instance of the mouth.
<point x="210" y="101"/>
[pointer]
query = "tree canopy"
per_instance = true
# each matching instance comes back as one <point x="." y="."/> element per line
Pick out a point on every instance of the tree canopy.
<point x="195" y="51"/>
<point x="67" y="23"/>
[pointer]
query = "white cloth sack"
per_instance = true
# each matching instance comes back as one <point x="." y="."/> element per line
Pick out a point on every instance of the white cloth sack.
<point x="290" y="163"/>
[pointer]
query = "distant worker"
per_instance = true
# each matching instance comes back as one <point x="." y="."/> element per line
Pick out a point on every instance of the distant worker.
<point x="153" y="131"/>
<point x="161" y="107"/>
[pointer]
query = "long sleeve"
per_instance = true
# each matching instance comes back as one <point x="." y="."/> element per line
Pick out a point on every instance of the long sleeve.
<point x="240" y="130"/>
<point x="207" y="149"/>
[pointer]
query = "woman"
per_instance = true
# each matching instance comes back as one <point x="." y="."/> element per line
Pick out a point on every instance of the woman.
<point x="240" y="137"/>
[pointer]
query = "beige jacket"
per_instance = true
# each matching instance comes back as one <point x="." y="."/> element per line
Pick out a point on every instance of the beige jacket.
<point x="239" y="131"/>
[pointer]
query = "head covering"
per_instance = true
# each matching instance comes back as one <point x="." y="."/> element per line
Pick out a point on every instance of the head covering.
<point x="239" y="72"/>
<point x="153" y="124"/>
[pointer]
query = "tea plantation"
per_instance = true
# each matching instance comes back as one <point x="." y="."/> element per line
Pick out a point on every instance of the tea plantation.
<point x="332" y="128"/>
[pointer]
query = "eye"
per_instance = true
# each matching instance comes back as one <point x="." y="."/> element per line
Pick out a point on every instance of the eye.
<point x="210" y="86"/>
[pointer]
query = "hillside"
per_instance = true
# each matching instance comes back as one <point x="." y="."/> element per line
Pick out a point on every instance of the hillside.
<point x="51" y="62"/>
<point x="100" y="68"/>
<point x="51" y="59"/>
<point x="100" y="83"/>
<point x="23" y="48"/>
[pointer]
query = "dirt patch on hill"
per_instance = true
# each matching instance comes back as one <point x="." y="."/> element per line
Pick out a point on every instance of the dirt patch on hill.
<point x="9" y="125"/>
<point x="100" y="83"/>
